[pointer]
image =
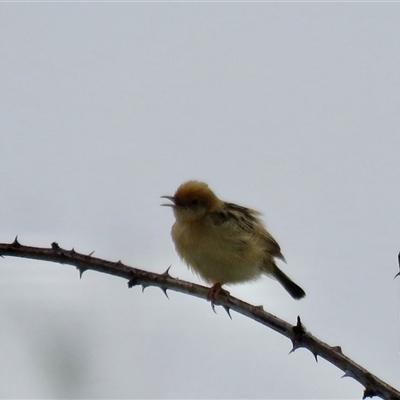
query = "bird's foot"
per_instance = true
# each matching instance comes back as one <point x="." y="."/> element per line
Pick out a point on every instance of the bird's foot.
<point x="214" y="291"/>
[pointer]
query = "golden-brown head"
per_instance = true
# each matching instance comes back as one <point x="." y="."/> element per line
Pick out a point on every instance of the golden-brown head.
<point x="192" y="200"/>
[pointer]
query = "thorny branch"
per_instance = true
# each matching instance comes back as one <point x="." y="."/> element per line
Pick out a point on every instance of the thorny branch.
<point x="300" y="337"/>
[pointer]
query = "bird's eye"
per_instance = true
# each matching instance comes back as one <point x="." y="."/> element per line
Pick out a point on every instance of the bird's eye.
<point x="194" y="202"/>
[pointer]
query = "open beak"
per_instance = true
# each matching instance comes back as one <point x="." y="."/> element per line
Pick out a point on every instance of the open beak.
<point x="171" y="198"/>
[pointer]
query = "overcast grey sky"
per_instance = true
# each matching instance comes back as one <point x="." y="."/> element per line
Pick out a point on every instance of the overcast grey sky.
<point x="289" y="108"/>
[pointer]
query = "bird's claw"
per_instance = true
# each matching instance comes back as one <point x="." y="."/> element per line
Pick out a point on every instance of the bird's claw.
<point x="214" y="292"/>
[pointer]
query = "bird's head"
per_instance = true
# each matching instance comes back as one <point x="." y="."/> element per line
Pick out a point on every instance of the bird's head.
<point x="192" y="200"/>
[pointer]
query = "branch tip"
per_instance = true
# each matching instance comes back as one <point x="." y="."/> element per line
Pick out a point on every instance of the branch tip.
<point x="55" y="246"/>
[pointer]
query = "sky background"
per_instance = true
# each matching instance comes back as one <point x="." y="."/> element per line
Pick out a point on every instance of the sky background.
<point x="288" y="108"/>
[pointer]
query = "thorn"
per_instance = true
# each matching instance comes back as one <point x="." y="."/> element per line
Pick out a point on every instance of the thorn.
<point x="73" y="251"/>
<point x="90" y="254"/>
<point x="347" y="374"/>
<point x="228" y="310"/>
<point x="166" y="273"/>
<point x="296" y="345"/>
<point x="164" y="289"/>
<point x="119" y="263"/>
<point x="299" y="328"/>
<point x="144" y="286"/>
<point x="15" y="243"/>
<point x="81" y="271"/>
<point x="213" y="307"/>
<point x="315" y="356"/>
<point x="298" y="332"/>
<point x="398" y="258"/>
<point x="55" y="246"/>
<point x="338" y="349"/>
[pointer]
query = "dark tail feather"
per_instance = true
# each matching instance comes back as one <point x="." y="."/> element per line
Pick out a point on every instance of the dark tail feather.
<point x="294" y="290"/>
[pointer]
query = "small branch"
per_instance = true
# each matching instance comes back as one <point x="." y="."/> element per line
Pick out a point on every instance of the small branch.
<point x="297" y="334"/>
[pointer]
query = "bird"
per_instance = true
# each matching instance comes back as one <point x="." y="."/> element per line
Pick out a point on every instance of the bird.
<point x="222" y="242"/>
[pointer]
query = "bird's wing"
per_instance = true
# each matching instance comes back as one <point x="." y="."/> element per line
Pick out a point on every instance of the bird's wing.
<point x="246" y="220"/>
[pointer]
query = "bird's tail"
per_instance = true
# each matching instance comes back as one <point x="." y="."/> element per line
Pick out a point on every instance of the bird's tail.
<point x="294" y="290"/>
